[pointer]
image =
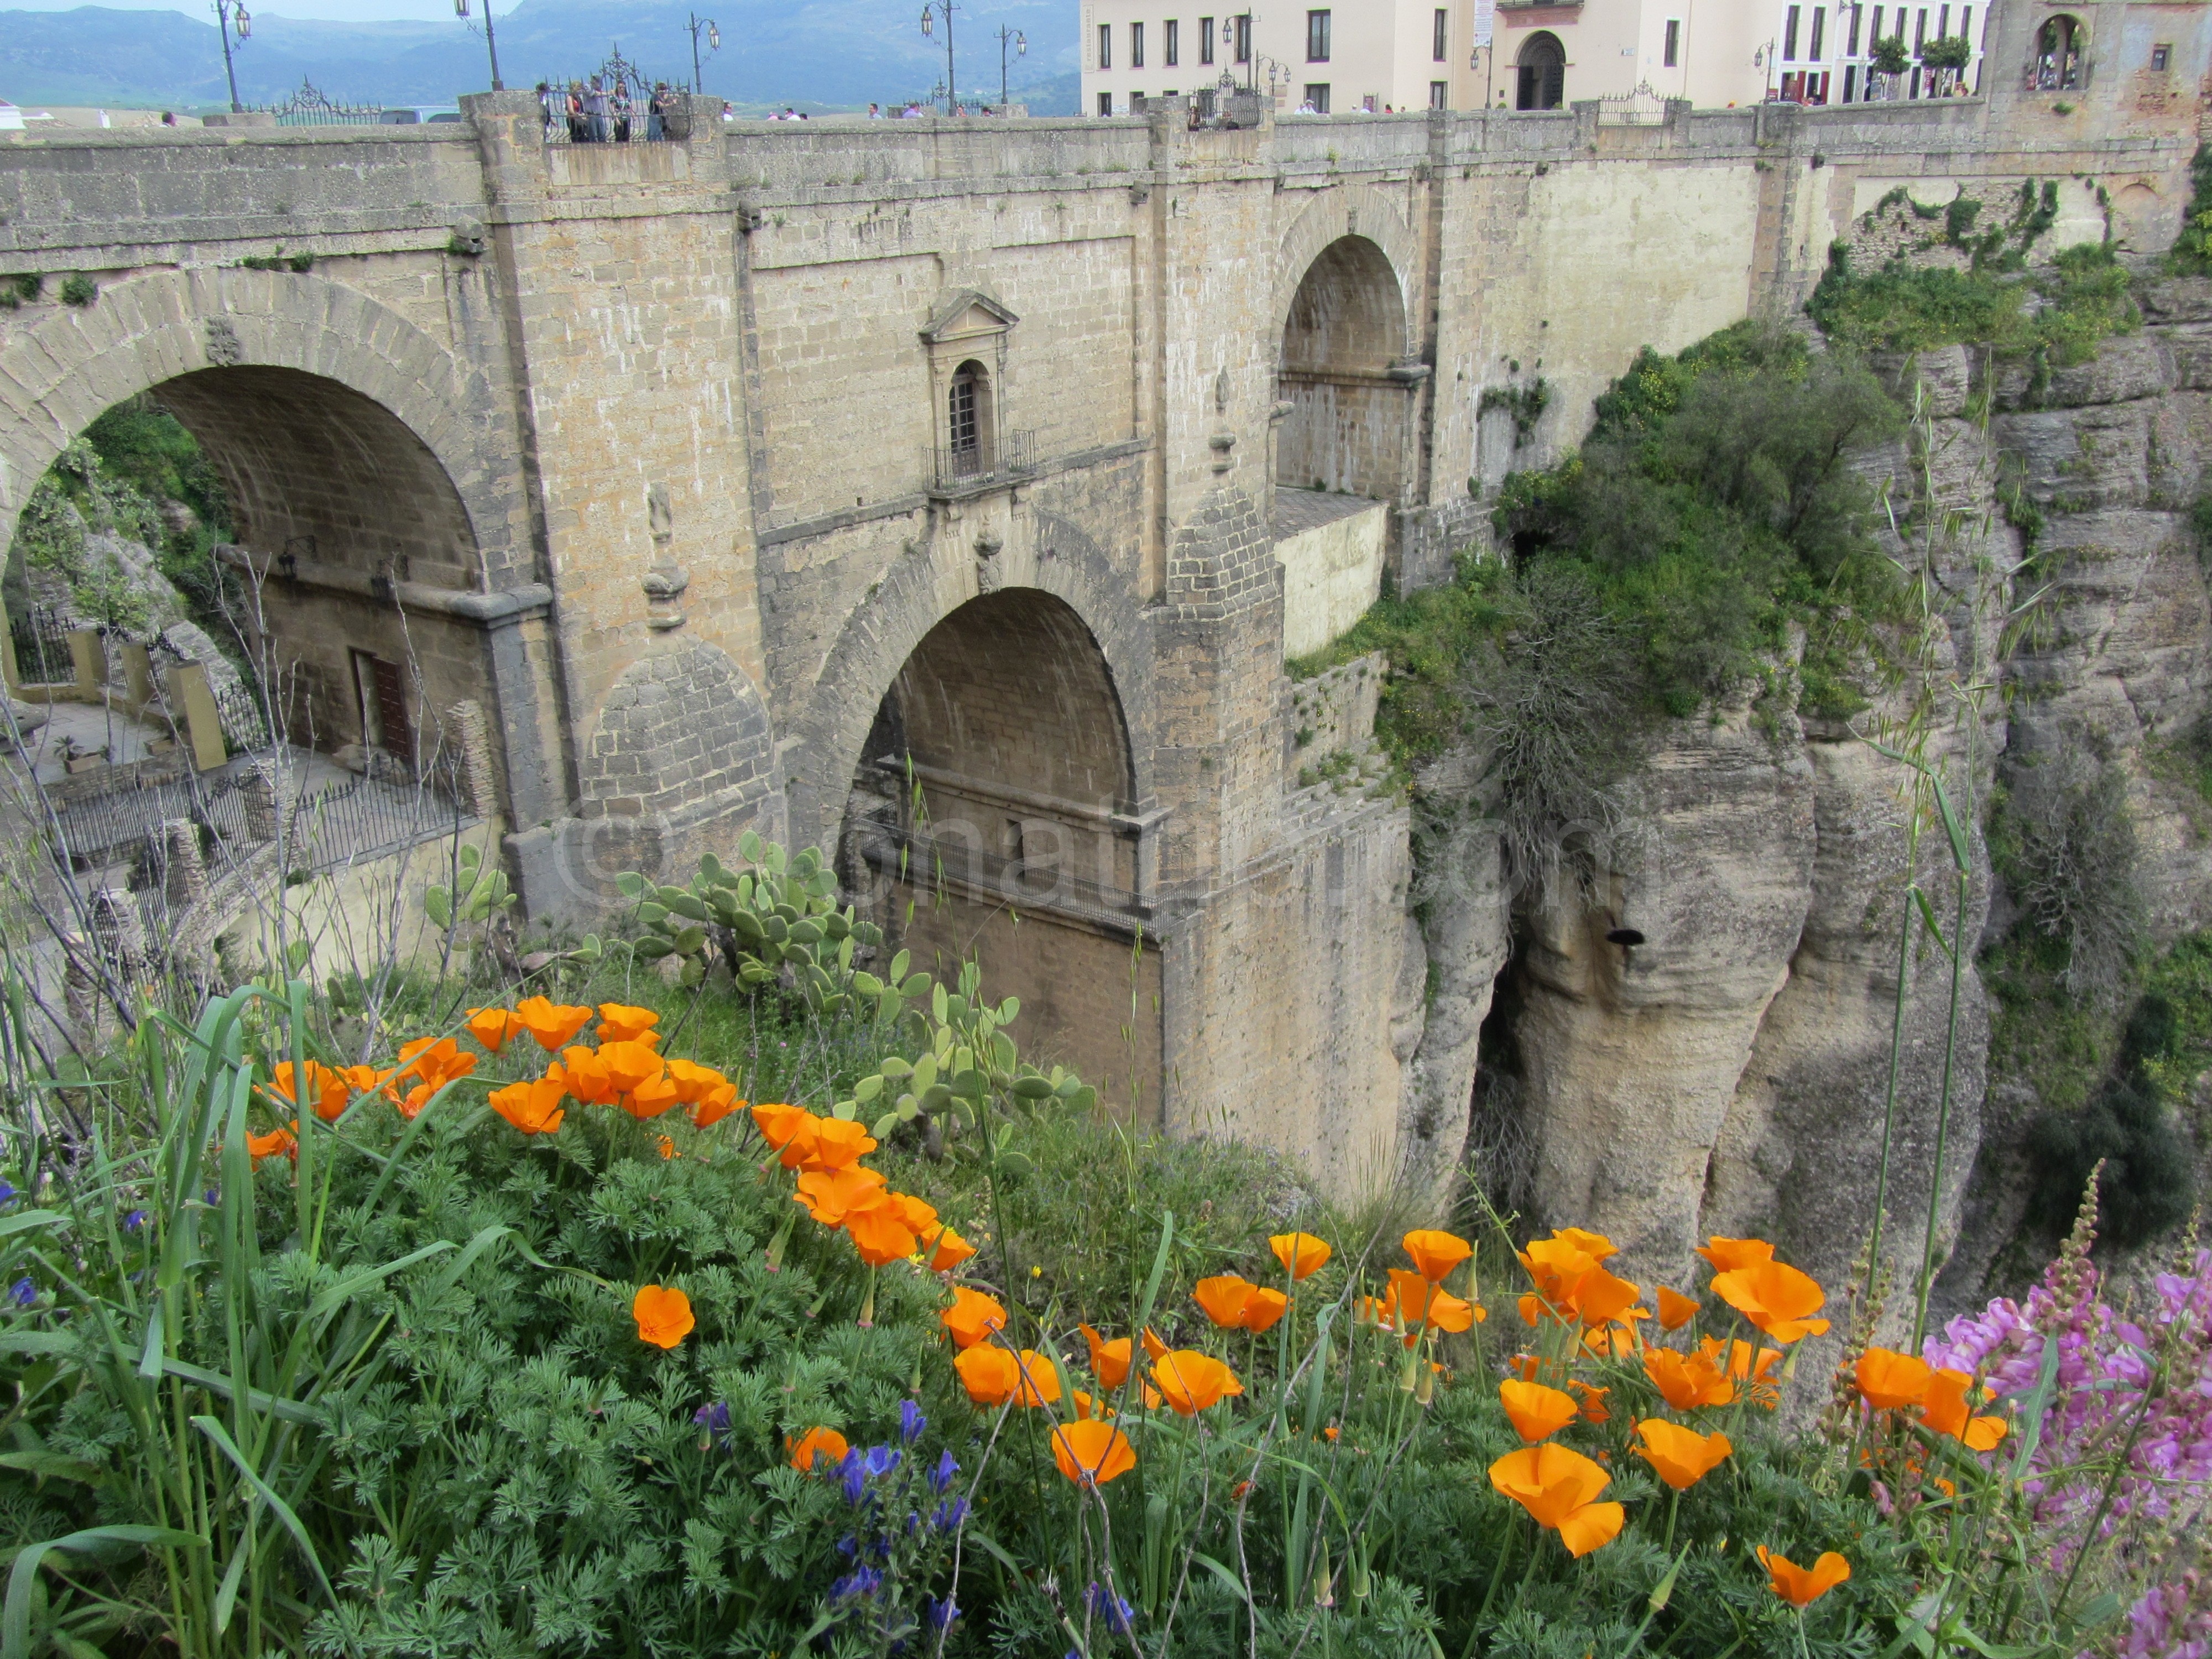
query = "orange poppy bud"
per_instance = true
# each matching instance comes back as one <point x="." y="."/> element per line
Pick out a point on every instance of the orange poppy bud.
<point x="1675" y="1310"/>
<point x="1436" y="1254"/>
<point x="550" y="1024"/>
<point x="1727" y="1255"/>
<point x="1223" y="1297"/>
<point x="663" y="1315"/>
<point x="1776" y="1297"/>
<point x="1537" y="1412"/>
<point x="1109" y="1361"/>
<point x="1799" y="1586"/>
<point x="1090" y="1454"/>
<point x="277" y="1143"/>
<point x="619" y="1023"/>
<point x="1301" y="1254"/>
<point x="1888" y="1379"/>
<point x="1945" y="1411"/>
<point x="532" y="1108"/>
<point x="492" y="1027"/>
<point x="839" y="1143"/>
<point x="1559" y="1487"/>
<point x="1681" y="1456"/>
<point x="826" y="1444"/>
<point x="1190" y="1382"/>
<point x="974" y="1316"/>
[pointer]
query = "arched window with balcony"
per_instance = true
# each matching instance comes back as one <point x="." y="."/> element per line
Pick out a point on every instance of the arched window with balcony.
<point x="1542" y="72"/>
<point x="968" y="425"/>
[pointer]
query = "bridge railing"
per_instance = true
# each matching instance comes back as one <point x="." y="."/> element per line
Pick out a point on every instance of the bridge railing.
<point x="980" y="467"/>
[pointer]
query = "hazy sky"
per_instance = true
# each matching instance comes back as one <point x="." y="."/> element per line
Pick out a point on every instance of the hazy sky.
<point x="349" y="11"/>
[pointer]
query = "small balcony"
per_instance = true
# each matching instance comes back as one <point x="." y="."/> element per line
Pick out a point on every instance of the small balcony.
<point x="959" y="470"/>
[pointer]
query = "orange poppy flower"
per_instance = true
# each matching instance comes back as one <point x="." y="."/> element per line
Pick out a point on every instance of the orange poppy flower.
<point x="1799" y="1586"/>
<point x="839" y="1143"/>
<point x="788" y="1129"/>
<point x="717" y="1103"/>
<point x="989" y="1374"/>
<point x="1374" y="1310"/>
<point x="1190" y="1381"/>
<point x="328" y="1088"/>
<point x="1594" y="1410"/>
<point x="1776" y="1297"/>
<point x="1727" y="1255"/>
<point x="1090" y="1405"/>
<point x="1681" y="1456"/>
<point x="1571" y="1278"/>
<point x="1263" y="1308"/>
<point x="1223" y="1297"/>
<point x="946" y="1249"/>
<point x="693" y="1081"/>
<point x="1686" y="1382"/>
<point x="878" y="1230"/>
<point x="833" y="1196"/>
<point x="1946" y="1412"/>
<point x="1435" y="1254"/>
<point x="1888" y="1379"/>
<point x="584" y="1077"/>
<point x="435" y="1060"/>
<point x="492" y="1027"/>
<point x="1301" y="1254"/>
<point x="361" y="1079"/>
<point x="1154" y="1348"/>
<point x="1675" y="1310"/>
<point x="621" y="1024"/>
<point x="532" y="1108"/>
<point x="1596" y="1246"/>
<point x="649" y="1100"/>
<point x="1109" y="1361"/>
<point x="1537" y="1412"/>
<point x="1092" y="1453"/>
<point x="630" y="1064"/>
<point x="974" y="1316"/>
<point x="826" y="1444"/>
<point x="550" y="1024"/>
<point x="277" y="1143"/>
<point x="663" y="1315"/>
<point x="668" y="1147"/>
<point x="1559" y="1487"/>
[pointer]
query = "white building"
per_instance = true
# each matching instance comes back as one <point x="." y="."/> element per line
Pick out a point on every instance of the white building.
<point x="1822" y="54"/>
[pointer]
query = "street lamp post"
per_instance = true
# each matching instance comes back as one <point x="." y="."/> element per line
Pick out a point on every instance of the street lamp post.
<point x="714" y="43"/>
<point x="948" y="7"/>
<point x="229" y="14"/>
<point x="491" y="41"/>
<point x="1021" y="49"/>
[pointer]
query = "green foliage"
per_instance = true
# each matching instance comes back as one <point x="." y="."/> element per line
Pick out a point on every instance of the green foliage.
<point x="20" y="288"/>
<point x="2063" y="838"/>
<point x="2148" y="1186"/>
<point x="1527" y="403"/>
<point x="80" y="291"/>
<point x="1946" y="52"/>
<point x="1712" y="510"/>
<point x="1889" y="56"/>
<point x="298" y="263"/>
<point x="2191" y="255"/>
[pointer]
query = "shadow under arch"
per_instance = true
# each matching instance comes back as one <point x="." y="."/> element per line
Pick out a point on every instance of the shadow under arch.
<point x="1341" y="370"/>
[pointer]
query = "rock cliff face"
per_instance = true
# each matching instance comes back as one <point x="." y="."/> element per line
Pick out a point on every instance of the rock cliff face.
<point x="1699" y="1014"/>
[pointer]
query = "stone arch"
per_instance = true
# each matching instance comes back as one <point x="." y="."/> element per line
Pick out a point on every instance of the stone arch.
<point x="1541" y="72"/>
<point x="2061" y="54"/>
<point x="1347" y="210"/>
<point x="361" y="456"/>
<point x="1342" y="370"/>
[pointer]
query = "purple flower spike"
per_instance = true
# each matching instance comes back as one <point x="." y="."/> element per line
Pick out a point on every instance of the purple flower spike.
<point x="940" y="1478"/>
<point x="911" y="1421"/>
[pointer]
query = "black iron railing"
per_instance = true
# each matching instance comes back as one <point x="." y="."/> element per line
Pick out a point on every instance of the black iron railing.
<point x="42" y="651"/>
<point x="979" y="465"/>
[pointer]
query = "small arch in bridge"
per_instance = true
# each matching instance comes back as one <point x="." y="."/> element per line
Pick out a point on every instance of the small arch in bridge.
<point x="1541" y="72"/>
<point x="2060" y="44"/>
<point x="1347" y="429"/>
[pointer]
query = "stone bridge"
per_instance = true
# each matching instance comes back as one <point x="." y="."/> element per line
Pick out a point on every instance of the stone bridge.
<point x="946" y="494"/>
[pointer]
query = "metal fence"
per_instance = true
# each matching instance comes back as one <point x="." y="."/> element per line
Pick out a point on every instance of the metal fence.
<point x="614" y="105"/>
<point x="1012" y="455"/>
<point x="310" y="107"/>
<point x="42" y="651"/>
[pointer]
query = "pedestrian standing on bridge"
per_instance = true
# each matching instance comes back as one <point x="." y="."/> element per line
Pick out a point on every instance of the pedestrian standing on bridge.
<point x="595" y="112"/>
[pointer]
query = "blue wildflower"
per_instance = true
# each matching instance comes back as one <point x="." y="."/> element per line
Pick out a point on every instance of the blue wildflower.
<point x="134" y="1221"/>
<point x="881" y="1461"/>
<point x="911" y="1421"/>
<point x="1102" y="1603"/>
<point x="23" y="1292"/>
<point x="950" y="1514"/>
<point x="855" y="1473"/>
<point x="939" y="1614"/>
<point x="861" y="1581"/>
<point x="940" y="1478"/>
<point x="848" y="1547"/>
<point x="7" y="1193"/>
<point x="715" y="1419"/>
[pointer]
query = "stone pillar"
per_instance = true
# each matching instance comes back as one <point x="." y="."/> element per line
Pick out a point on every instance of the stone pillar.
<point x="260" y="794"/>
<point x="138" y="677"/>
<point x="88" y="663"/>
<point x="185" y="881"/>
<point x="191" y="705"/>
<point x="472" y="740"/>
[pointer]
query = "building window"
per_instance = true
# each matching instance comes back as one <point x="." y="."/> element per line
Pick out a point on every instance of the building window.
<point x="1439" y="95"/>
<point x="1173" y="43"/>
<point x="1920" y="31"/>
<point x="1942" y="23"/>
<point x="1820" y="31"/>
<point x="968" y="421"/>
<point x="1789" y="36"/>
<point x="1671" y="54"/>
<point x="2058" y="56"/>
<point x="1967" y="24"/>
<point x="1851" y="42"/>
<point x="1316" y="37"/>
<point x="1540" y="73"/>
<point x="2161" y="57"/>
<point x="1105" y="45"/>
<point x="1851" y="79"/>
<point x="1437" y="37"/>
<point x="1316" y="101"/>
<point x="1245" y="37"/>
<point x="1136" y="46"/>
<point x="1105" y="103"/>
<point x="1205" y="40"/>
<point x="1874" y="34"/>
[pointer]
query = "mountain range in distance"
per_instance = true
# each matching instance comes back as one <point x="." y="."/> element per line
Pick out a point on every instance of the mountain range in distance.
<point x="816" y="55"/>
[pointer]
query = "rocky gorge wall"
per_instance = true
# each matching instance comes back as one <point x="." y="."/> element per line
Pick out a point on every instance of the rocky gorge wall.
<point x="1689" y="1027"/>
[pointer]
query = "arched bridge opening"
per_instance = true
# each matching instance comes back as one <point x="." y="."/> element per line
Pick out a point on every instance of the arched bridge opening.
<point x="992" y="818"/>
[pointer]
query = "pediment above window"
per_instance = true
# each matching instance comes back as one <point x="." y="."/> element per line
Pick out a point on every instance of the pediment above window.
<point x="970" y="315"/>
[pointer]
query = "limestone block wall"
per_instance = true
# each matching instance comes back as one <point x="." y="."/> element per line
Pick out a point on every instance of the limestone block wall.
<point x="1331" y="574"/>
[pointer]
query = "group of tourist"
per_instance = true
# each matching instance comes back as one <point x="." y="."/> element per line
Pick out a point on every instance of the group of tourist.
<point x="596" y="112"/>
